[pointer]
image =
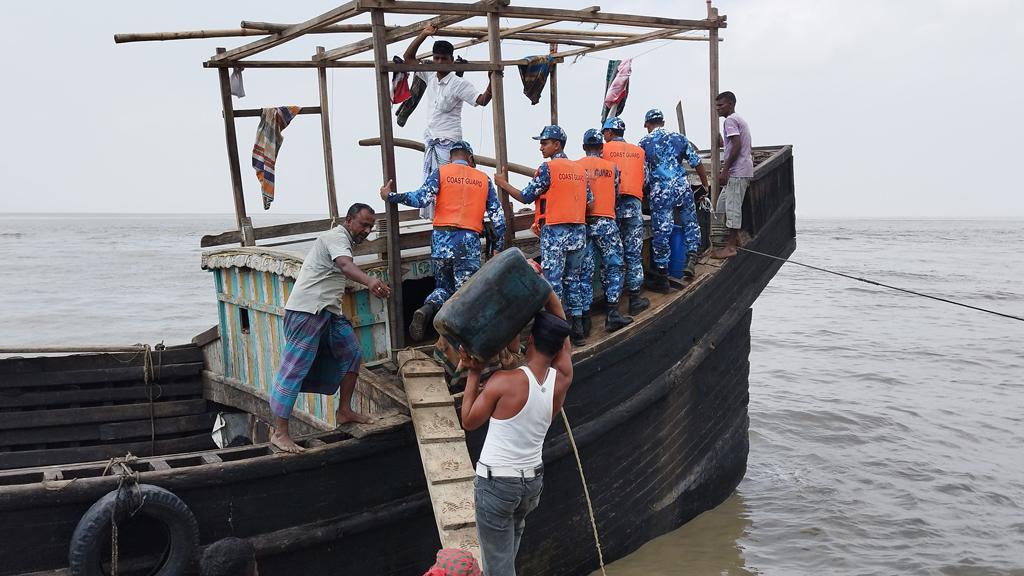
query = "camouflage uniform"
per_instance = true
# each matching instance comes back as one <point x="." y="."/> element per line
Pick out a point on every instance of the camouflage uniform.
<point x="603" y="238"/>
<point x="562" y="248"/>
<point x="665" y="178"/>
<point x="455" y="252"/>
<point x="629" y="214"/>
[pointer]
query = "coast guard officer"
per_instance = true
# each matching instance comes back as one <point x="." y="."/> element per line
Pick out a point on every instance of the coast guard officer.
<point x="462" y="195"/>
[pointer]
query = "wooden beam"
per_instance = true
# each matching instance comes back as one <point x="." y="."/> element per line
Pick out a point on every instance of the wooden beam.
<point x="409" y="7"/>
<point x="498" y="109"/>
<point x="185" y="35"/>
<point x="325" y="129"/>
<point x="618" y="43"/>
<point x="340" y="13"/>
<point x="275" y="27"/>
<point x="231" y="141"/>
<point x="290" y="64"/>
<point x="713" y="77"/>
<point x="387" y="155"/>
<point x="480" y="160"/>
<point x="396" y="35"/>
<point x="257" y="112"/>
<point x="553" y="83"/>
<point x="483" y="34"/>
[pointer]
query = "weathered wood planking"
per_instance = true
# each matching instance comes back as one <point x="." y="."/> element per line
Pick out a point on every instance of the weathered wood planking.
<point x="200" y="440"/>
<point x="443" y="454"/>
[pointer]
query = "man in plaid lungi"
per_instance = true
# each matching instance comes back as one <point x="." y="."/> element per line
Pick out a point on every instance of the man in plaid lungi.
<point x="320" y="351"/>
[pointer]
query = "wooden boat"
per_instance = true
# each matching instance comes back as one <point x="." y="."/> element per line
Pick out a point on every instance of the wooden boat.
<point x="658" y="409"/>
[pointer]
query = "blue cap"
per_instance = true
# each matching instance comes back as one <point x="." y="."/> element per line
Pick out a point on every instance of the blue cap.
<point x="462" y="145"/>
<point x="592" y="137"/>
<point x="614" y="123"/>
<point x="654" y="114"/>
<point x="551" y="132"/>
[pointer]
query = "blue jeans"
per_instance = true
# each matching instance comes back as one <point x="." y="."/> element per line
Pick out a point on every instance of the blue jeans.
<point x="501" y="508"/>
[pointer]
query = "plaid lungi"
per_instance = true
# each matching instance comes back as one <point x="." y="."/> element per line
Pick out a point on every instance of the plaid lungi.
<point x="319" y="350"/>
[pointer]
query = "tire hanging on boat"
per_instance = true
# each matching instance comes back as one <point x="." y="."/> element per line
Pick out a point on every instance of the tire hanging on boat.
<point x="92" y="533"/>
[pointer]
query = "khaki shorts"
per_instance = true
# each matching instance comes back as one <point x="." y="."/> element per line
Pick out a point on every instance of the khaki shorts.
<point x="730" y="201"/>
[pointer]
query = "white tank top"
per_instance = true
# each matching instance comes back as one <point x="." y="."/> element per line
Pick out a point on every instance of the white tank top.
<point x="518" y="442"/>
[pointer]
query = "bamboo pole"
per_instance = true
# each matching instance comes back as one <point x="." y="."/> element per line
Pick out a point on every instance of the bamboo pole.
<point x="498" y="109"/>
<point x="231" y="140"/>
<point x="325" y="128"/>
<point x="480" y="160"/>
<point x="387" y="156"/>
<point x="71" y="349"/>
<point x="656" y="35"/>
<point x="713" y="61"/>
<point x="553" y="77"/>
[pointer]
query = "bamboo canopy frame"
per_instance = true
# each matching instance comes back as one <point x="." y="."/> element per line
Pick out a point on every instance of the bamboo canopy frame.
<point x="378" y="36"/>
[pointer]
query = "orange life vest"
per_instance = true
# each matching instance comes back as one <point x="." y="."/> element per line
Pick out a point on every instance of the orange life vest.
<point x="462" y="198"/>
<point x="602" y="184"/>
<point x="630" y="160"/>
<point x="565" y="202"/>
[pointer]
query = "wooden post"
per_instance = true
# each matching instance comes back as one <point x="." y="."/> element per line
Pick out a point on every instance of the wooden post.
<point x="231" y="140"/>
<point x="387" y="157"/>
<point x="679" y="117"/>
<point x="325" y="127"/>
<point x="713" y="59"/>
<point x="554" y="87"/>
<point x="498" y="108"/>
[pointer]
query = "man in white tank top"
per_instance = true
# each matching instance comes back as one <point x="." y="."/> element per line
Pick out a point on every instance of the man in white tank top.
<point x="519" y="406"/>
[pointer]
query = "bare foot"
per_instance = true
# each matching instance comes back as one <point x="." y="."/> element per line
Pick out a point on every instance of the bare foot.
<point x="723" y="253"/>
<point x="284" y="442"/>
<point x="346" y="416"/>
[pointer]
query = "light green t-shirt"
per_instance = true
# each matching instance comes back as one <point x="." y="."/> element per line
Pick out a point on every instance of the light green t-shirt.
<point x="321" y="284"/>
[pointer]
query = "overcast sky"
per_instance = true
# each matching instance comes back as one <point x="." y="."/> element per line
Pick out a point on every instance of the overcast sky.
<point x="894" y="108"/>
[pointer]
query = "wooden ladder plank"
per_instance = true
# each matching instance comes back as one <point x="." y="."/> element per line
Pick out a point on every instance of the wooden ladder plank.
<point x="442" y="444"/>
<point x="427" y="392"/>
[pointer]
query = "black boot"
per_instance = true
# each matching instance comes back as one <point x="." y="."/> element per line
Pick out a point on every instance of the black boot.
<point x="586" y="324"/>
<point x="576" y="335"/>
<point x="691" y="265"/>
<point x="637" y="303"/>
<point x="658" y="281"/>
<point x="615" y="321"/>
<point x="421" y="319"/>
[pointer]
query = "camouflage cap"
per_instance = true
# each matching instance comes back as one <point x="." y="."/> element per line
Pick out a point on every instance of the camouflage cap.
<point x="462" y="145"/>
<point x="653" y="115"/>
<point x="614" y="123"/>
<point x="592" y="137"/>
<point x="552" y="132"/>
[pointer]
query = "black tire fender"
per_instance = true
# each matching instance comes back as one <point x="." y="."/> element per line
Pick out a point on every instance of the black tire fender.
<point x="92" y="532"/>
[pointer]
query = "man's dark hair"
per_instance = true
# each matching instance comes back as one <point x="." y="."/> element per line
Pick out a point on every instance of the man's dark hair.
<point x="593" y="147"/>
<point x="228" y="557"/>
<point x="728" y="97"/>
<point x="617" y="132"/>
<point x="356" y="208"/>
<point x="549" y="333"/>
<point x="443" y="48"/>
<point x="656" y="122"/>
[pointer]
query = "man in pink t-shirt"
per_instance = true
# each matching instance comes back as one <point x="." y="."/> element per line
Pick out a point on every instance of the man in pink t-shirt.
<point x="737" y="170"/>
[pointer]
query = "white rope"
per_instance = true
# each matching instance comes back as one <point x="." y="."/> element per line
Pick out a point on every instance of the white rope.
<point x="586" y="492"/>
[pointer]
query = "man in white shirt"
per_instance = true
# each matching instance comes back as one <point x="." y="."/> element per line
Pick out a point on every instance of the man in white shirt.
<point x="447" y="93"/>
<point x="518" y="406"/>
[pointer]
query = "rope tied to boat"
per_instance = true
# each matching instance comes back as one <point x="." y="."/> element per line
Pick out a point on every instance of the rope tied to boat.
<point x="586" y="491"/>
<point x="882" y="285"/>
<point x="128" y="478"/>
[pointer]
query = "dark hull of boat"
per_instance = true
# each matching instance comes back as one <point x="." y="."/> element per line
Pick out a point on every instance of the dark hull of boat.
<point x="659" y="415"/>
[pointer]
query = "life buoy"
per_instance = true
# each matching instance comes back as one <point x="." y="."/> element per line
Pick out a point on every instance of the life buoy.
<point x="93" y="530"/>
